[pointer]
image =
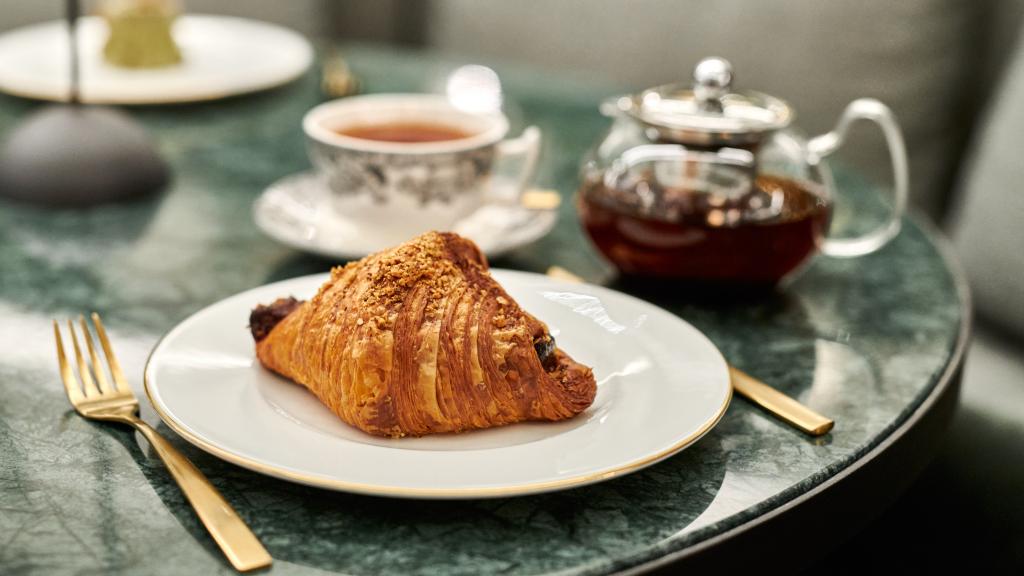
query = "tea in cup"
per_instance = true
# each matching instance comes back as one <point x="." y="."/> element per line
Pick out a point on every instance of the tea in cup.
<point x="403" y="164"/>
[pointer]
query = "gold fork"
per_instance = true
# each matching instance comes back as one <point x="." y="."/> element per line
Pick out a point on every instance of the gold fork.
<point x="96" y="399"/>
<point x="776" y="403"/>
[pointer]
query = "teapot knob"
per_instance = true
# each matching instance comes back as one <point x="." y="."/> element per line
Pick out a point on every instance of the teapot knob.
<point x="712" y="80"/>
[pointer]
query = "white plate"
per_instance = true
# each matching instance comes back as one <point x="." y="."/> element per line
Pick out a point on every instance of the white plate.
<point x="661" y="386"/>
<point x="295" y="212"/>
<point x="221" y="56"/>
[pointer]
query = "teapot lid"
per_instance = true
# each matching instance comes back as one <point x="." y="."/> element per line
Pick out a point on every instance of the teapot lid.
<point x="708" y="113"/>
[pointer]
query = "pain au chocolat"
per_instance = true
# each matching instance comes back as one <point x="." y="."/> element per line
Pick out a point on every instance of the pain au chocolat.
<point x="420" y="339"/>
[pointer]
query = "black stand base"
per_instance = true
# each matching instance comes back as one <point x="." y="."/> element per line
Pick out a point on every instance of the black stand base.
<point x="74" y="155"/>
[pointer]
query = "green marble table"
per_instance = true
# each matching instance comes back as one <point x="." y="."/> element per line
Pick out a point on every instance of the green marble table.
<point x="871" y="341"/>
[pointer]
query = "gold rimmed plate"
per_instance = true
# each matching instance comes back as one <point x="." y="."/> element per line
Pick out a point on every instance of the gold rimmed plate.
<point x="661" y="386"/>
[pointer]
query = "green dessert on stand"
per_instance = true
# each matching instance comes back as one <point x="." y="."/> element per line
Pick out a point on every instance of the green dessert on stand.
<point x="140" y="33"/>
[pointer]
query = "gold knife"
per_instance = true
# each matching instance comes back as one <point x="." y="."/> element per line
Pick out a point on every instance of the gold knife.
<point x="773" y="401"/>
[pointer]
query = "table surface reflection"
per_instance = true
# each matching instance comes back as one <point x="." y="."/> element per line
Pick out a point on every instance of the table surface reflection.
<point x="862" y="340"/>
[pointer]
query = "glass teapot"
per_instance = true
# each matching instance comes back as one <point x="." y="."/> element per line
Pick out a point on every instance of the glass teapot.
<point x="703" y="183"/>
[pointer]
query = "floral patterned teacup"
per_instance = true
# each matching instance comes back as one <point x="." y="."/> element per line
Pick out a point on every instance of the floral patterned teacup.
<point x="397" y="190"/>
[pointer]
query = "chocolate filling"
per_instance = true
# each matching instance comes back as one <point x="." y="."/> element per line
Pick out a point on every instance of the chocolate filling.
<point x="545" y="347"/>
<point x="263" y="318"/>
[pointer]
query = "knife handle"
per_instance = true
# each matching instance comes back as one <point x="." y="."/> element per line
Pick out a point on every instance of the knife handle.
<point x="778" y="404"/>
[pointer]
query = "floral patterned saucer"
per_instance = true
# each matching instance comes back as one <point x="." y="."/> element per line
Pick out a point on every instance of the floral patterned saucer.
<point x="295" y="211"/>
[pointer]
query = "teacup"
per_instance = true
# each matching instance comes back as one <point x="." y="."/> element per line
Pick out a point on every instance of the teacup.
<point x="398" y="189"/>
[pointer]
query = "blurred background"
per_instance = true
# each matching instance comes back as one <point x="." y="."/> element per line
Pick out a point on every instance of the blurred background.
<point x="935" y="62"/>
<point x="953" y="71"/>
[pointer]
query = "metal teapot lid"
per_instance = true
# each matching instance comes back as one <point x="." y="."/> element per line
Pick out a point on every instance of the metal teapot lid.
<point x="708" y="113"/>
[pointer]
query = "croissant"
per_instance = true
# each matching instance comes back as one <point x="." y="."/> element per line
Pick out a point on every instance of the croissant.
<point x="420" y="339"/>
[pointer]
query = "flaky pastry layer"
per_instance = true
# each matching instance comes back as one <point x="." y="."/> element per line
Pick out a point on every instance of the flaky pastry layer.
<point x="420" y="339"/>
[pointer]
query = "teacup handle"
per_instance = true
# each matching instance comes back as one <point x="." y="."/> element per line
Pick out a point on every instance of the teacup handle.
<point x="527" y="147"/>
<point x="821" y="146"/>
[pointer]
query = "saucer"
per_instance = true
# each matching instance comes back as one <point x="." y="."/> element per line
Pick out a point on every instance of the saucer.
<point x="295" y="212"/>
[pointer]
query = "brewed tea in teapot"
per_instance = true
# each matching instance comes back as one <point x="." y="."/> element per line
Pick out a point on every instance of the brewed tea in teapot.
<point x="707" y="184"/>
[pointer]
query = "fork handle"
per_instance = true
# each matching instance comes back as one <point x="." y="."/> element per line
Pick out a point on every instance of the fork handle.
<point x="240" y="545"/>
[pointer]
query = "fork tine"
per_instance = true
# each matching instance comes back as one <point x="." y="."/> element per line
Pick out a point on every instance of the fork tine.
<point x="115" y="368"/>
<point x="83" y="369"/>
<point x="71" y="386"/>
<point x="97" y="367"/>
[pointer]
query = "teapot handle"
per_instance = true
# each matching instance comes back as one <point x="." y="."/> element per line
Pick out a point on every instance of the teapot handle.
<point x="821" y="146"/>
